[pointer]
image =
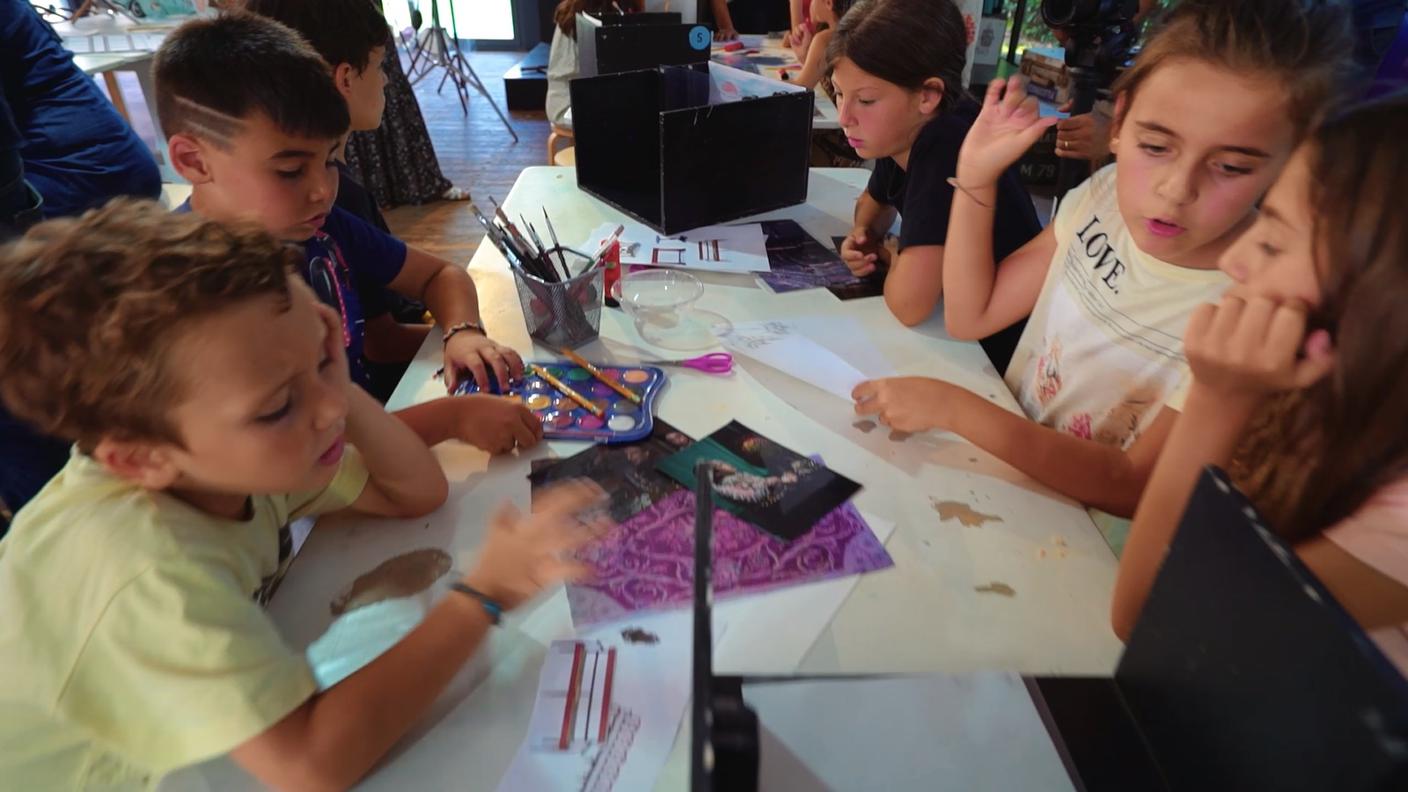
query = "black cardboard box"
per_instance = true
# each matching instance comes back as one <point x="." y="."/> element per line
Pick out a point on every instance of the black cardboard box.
<point x="679" y="147"/>
<point x="615" y="43"/>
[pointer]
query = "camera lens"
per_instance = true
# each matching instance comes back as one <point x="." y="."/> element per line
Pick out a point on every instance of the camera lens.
<point x="1062" y="13"/>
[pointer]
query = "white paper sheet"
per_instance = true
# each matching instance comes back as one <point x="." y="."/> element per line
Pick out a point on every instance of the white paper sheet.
<point x="941" y="731"/>
<point x="723" y="248"/>
<point x="789" y="346"/>
<point x="651" y="686"/>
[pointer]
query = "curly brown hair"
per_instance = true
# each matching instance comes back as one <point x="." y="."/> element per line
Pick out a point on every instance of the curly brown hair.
<point x="90" y="308"/>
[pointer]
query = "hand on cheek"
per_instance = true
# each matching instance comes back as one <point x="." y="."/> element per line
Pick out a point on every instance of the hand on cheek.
<point x="1248" y="346"/>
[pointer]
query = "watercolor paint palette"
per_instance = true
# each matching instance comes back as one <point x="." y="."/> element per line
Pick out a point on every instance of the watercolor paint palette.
<point x="622" y="421"/>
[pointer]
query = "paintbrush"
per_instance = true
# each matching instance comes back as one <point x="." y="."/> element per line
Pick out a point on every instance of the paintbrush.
<point x="566" y="390"/>
<point x="605" y="246"/>
<point x="601" y="377"/>
<point x="555" y="243"/>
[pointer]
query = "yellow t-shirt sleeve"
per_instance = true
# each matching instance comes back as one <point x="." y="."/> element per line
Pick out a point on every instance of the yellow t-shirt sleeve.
<point x="344" y="490"/>
<point x="183" y="666"/>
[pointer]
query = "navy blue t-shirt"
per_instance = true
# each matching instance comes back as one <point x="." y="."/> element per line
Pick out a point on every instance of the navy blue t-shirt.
<point x="362" y="261"/>
<point x="365" y="260"/>
<point x="923" y="197"/>
<point x="77" y="151"/>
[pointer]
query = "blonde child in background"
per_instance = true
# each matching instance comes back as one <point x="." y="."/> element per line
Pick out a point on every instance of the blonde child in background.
<point x="1300" y="379"/>
<point x="1205" y="119"/>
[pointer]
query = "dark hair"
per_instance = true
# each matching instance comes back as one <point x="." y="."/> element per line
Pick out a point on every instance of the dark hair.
<point x="90" y="308"/>
<point x="1316" y="455"/>
<point x="565" y="17"/>
<point x="1305" y="44"/>
<point x="212" y="74"/>
<point x="904" y="42"/>
<point x="342" y="31"/>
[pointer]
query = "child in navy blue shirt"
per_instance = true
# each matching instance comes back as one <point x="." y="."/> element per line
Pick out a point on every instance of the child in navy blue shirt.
<point x="261" y="147"/>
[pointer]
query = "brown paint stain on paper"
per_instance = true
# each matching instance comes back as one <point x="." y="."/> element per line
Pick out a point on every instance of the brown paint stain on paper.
<point x="996" y="588"/>
<point x="865" y="426"/>
<point x="965" y="514"/>
<point x="402" y="576"/>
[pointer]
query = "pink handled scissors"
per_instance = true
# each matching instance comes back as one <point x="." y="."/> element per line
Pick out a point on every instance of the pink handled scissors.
<point x="712" y="363"/>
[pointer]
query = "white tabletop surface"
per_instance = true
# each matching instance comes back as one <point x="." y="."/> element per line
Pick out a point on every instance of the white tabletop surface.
<point x="923" y="615"/>
<point x="99" y="62"/>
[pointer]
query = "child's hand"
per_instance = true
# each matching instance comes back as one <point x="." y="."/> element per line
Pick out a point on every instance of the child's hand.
<point x="861" y="250"/>
<point x="477" y="354"/>
<point x="801" y="42"/>
<point x="522" y="556"/>
<point x="905" y="404"/>
<point x="495" y="423"/>
<point x="1248" y="346"/>
<point x="1008" y="125"/>
<point x="725" y="33"/>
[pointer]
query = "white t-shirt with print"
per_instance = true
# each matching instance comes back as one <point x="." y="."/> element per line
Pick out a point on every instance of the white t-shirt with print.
<point x="1103" y="349"/>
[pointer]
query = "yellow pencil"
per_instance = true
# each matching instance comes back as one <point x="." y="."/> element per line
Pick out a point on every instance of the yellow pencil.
<point x="566" y="390"/>
<point x="596" y="372"/>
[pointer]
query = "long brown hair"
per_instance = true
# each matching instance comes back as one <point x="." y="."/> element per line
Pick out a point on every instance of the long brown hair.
<point x="904" y="42"/>
<point x="1315" y="456"/>
<point x="1304" y="44"/>
<point x="565" y="17"/>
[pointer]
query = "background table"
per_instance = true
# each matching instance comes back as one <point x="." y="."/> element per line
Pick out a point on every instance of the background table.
<point x="921" y="616"/>
<point x="826" y="117"/>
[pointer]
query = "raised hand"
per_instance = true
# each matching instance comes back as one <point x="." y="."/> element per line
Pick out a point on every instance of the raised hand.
<point x="1010" y="122"/>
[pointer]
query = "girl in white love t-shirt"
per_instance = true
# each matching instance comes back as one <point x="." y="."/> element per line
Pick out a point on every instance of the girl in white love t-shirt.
<point x="1300" y="379"/>
<point x="1204" y="121"/>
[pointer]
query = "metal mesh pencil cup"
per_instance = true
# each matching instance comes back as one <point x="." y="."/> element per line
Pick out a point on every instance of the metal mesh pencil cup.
<point x="566" y="314"/>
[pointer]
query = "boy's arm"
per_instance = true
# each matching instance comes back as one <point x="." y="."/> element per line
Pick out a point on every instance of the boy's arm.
<point x="494" y="423"/>
<point x="1093" y="473"/>
<point x="389" y="341"/>
<point x="404" y="478"/>
<point x="450" y="294"/>
<point x="337" y="736"/>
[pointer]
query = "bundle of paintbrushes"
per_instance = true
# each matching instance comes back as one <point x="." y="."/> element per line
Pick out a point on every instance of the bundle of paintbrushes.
<point x="562" y="308"/>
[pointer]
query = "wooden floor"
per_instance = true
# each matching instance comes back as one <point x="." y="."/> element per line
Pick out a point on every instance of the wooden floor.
<point x="475" y="151"/>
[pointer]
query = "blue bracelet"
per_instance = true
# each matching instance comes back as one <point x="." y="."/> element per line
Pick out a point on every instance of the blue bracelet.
<point x="494" y="609"/>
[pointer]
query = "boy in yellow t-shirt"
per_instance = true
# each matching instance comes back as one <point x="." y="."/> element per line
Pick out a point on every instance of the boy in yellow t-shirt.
<point x="208" y="395"/>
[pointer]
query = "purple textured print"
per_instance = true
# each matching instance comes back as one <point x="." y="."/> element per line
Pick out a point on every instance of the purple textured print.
<point x="647" y="562"/>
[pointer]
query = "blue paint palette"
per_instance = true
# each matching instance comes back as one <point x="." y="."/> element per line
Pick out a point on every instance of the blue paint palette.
<point x="622" y="420"/>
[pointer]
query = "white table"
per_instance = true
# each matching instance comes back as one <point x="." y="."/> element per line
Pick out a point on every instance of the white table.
<point x="921" y="616"/>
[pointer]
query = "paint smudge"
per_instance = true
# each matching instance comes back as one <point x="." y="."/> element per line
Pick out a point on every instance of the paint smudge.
<point x="965" y="514"/>
<point x="897" y="436"/>
<point x="402" y="576"/>
<point x="865" y="426"/>
<point x="636" y="635"/>
<point x="996" y="588"/>
<point x="974" y="460"/>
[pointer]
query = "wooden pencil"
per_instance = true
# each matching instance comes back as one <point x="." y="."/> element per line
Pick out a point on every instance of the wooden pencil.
<point x="596" y="372"/>
<point x="566" y="390"/>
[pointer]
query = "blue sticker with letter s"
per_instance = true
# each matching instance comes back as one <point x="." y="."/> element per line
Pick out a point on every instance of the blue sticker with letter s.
<point x="699" y="37"/>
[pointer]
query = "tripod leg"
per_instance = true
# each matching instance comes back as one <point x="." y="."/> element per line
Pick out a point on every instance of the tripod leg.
<point x="473" y="79"/>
